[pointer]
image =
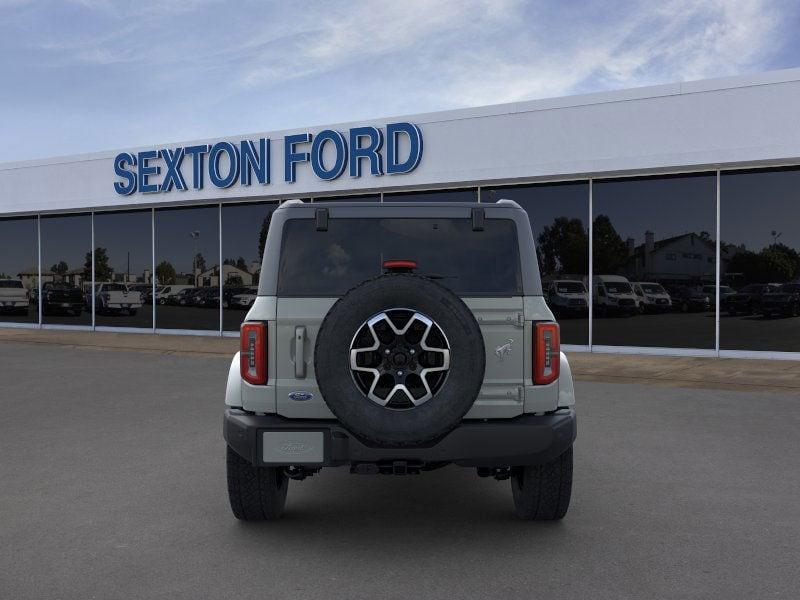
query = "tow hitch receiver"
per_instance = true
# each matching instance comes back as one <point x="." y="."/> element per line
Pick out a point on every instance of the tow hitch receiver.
<point x="396" y="467"/>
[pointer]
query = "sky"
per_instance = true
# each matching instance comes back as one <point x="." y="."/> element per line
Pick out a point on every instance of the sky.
<point x="90" y="75"/>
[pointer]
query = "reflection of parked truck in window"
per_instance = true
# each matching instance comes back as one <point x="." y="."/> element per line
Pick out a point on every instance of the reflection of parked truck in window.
<point x="725" y="293"/>
<point x="613" y="294"/>
<point x="690" y="299"/>
<point x="651" y="297"/>
<point x="110" y="298"/>
<point x="14" y="298"/>
<point x="748" y="299"/>
<point x="567" y="297"/>
<point x="784" y="301"/>
<point x="244" y="299"/>
<point x="168" y="293"/>
<point x="62" y="298"/>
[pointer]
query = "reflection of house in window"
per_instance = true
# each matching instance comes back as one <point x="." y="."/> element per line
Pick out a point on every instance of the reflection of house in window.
<point x="673" y="260"/>
<point x="232" y="274"/>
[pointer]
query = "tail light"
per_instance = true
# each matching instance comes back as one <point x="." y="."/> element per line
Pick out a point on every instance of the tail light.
<point x="399" y="265"/>
<point x="253" y="352"/>
<point x="546" y="353"/>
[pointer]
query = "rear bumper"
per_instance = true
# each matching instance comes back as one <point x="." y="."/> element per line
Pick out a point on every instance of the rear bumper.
<point x="524" y="440"/>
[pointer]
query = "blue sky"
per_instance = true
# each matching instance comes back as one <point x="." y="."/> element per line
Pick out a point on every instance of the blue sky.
<point x="89" y="75"/>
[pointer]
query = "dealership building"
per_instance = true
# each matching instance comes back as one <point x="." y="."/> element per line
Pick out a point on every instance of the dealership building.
<point x="684" y="198"/>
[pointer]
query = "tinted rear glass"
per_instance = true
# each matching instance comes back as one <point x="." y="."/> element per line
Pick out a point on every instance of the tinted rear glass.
<point x="10" y="283"/>
<point x="329" y="263"/>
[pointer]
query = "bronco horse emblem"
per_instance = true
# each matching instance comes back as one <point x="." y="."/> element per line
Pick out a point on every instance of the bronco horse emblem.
<point x="504" y="350"/>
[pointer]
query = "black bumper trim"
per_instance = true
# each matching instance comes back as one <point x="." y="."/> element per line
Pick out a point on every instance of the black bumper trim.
<point x="524" y="440"/>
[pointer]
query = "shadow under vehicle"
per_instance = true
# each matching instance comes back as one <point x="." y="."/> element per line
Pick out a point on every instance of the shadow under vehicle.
<point x="651" y="297"/>
<point x="747" y="300"/>
<point x="567" y="297"/>
<point x="14" y="298"/>
<point x="785" y="301"/>
<point x="689" y="299"/>
<point x="62" y="298"/>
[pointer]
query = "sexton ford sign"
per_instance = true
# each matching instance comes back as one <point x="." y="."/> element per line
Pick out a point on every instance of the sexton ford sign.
<point x="225" y="164"/>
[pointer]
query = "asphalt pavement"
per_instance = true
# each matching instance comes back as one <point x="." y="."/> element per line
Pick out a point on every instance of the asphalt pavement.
<point x="112" y="485"/>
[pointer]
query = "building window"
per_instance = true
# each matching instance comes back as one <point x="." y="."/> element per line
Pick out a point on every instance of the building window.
<point x="67" y="269"/>
<point x="465" y="195"/>
<point x="654" y="219"/>
<point x="760" y="246"/>
<point x="187" y="268"/>
<point x="19" y="270"/>
<point x="558" y="214"/>
<point x="123" y="257"/>
<point x="244" y="233"/>
<point x="357" y="198"/>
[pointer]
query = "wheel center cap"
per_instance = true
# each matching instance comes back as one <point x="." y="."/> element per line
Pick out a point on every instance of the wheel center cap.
<point x="400" y="358"/>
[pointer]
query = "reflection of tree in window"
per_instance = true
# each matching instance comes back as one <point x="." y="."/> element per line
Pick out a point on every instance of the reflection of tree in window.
<point x="102" y="270"/>
<point x="165" y="273"/>
<point x="776" y="262"/>
<point x="563" y="247"/>
<point x="610" y="253"/>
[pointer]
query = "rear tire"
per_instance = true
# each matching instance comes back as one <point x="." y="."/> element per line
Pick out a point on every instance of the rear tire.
<point x="542" y="492"/>
<point x="255" y="493"/>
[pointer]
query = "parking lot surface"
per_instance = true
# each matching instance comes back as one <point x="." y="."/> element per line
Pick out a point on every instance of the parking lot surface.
<point x="113" y="486"/>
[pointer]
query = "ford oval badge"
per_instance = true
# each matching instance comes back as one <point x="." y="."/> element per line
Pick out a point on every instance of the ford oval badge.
<point x="300" y="396"/>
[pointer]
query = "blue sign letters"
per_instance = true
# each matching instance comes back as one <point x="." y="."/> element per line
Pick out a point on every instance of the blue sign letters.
<point x="329" y="153"/>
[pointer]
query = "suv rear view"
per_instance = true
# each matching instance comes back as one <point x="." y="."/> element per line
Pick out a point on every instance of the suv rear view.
<point x="398" y="339"/>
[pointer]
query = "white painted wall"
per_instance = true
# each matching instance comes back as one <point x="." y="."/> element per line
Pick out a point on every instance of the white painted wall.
<point x="729" y="122"/>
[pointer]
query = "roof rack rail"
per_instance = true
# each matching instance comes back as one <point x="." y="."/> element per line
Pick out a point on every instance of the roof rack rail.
<point x="291" y="202"/>
<point x="507" y="202"/>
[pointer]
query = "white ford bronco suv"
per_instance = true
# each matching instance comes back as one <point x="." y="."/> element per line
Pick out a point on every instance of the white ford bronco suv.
<point x="399" y="338"/>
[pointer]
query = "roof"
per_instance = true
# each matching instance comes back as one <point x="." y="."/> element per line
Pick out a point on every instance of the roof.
<point x="658" y="245"/>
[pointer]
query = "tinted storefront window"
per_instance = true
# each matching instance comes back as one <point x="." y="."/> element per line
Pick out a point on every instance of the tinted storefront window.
<point x="654" y="261"/>
<point x="559" y="217"/>
<point x="19" y="272"/>
<point x="123" y="268"/>
<point x="187" y="268"/>
<point x="66" y="269"/>
<point x="760" y="260"/>
<point x="466" y="195"/>
<point x="244" y="233"/>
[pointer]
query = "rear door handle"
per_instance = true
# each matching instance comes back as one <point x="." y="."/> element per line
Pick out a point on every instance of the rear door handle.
<point x="300" y="352"/>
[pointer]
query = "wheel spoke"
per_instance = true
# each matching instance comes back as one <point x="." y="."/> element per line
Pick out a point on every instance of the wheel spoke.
<point x="407" y="363"/>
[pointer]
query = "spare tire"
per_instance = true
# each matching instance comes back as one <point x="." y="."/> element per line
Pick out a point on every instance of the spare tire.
<point x="399" y="360"/>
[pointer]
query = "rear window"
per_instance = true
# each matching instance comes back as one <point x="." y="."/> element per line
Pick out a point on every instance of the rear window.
<point x="329" y="263"/>
<point x="10" y="283"/>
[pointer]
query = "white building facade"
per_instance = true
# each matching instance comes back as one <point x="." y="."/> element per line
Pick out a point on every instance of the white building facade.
<point x="709" y="168"/>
